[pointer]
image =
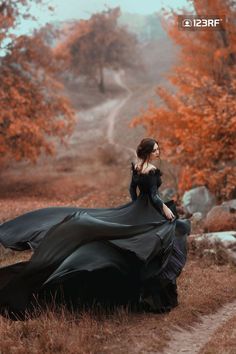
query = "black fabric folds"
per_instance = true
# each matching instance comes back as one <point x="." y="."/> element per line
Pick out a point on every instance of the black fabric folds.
<point x="128" y="254"/>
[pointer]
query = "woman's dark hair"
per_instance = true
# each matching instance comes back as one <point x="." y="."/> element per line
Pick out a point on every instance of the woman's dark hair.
<point x="144" y="149"/>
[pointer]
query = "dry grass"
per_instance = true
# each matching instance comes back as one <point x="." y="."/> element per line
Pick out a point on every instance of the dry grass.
<point x="54" y="332"/>
<point x="8" y="256"/>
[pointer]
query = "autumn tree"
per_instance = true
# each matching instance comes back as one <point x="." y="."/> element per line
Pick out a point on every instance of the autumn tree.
<point x="196" y="124"/>
<point x="99" y="43"/>
<point x="33" y="109"/>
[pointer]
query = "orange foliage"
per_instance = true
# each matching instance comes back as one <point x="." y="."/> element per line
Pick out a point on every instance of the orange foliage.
<point x="32" y="105"/>
<point x="197" y="123"/>
<point x="97" y="43"/>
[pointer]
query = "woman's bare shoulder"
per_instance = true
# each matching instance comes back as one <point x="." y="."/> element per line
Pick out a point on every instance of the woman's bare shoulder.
<point x="146" y="169"/>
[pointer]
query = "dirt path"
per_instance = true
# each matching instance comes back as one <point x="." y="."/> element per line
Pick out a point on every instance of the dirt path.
<point x="190" y="342"/>
<point x="97" y="124"/>
<point x="143" y="335"/>
<point x="120" y="103"/>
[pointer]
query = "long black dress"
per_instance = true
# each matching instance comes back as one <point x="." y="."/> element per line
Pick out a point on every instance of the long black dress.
<point x="128" y="254"/>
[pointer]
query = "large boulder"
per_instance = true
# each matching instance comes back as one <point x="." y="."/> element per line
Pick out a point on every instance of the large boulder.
<point x="217" y="246"/>
<point x="198" y="199"/>
<point x="221" y="217"/>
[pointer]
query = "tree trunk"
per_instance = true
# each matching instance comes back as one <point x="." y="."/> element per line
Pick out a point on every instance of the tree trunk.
<point x="101" y="85"/>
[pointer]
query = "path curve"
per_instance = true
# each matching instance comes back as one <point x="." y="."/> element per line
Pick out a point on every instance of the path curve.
<point x="190" y="342"/>
<point x="111" y="119"/>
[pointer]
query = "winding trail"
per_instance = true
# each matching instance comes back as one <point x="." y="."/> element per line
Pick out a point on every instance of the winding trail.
<point x="99" y="122"/>
<point x="191" y="342"/>
<point x="111" y="119"/>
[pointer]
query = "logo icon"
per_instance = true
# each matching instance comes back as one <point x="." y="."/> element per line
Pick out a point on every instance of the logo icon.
<point x="187" y="23"/>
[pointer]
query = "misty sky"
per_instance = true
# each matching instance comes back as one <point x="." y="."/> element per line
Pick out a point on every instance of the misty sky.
<point x="76" y="9"/>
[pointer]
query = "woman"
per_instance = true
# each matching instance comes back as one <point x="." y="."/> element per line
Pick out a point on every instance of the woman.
<point x="131" y="254"/>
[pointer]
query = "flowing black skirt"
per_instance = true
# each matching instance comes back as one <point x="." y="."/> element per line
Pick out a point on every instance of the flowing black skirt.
<point x="129" y="254"/>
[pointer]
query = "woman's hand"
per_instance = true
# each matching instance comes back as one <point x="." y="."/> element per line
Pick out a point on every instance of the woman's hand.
<point x="168" y="213"/>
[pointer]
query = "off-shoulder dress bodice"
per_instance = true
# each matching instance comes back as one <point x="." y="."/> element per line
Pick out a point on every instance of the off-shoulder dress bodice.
<point x="147" y="183"/>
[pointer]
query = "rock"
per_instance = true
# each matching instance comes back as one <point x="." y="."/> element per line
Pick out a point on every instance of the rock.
<point x="230" y="203"/>
<point x="168" y="193"/>
<point x="217" y="246"/>
<point x="197" y="222"/>
<point x="227" y="238"/>
<point x="198" y="199"/>
<point x="221" y="217"/>
<point x="197" y="217"/>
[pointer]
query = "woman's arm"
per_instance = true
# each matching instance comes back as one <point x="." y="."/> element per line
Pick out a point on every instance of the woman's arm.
<point x="158" y="202"/>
